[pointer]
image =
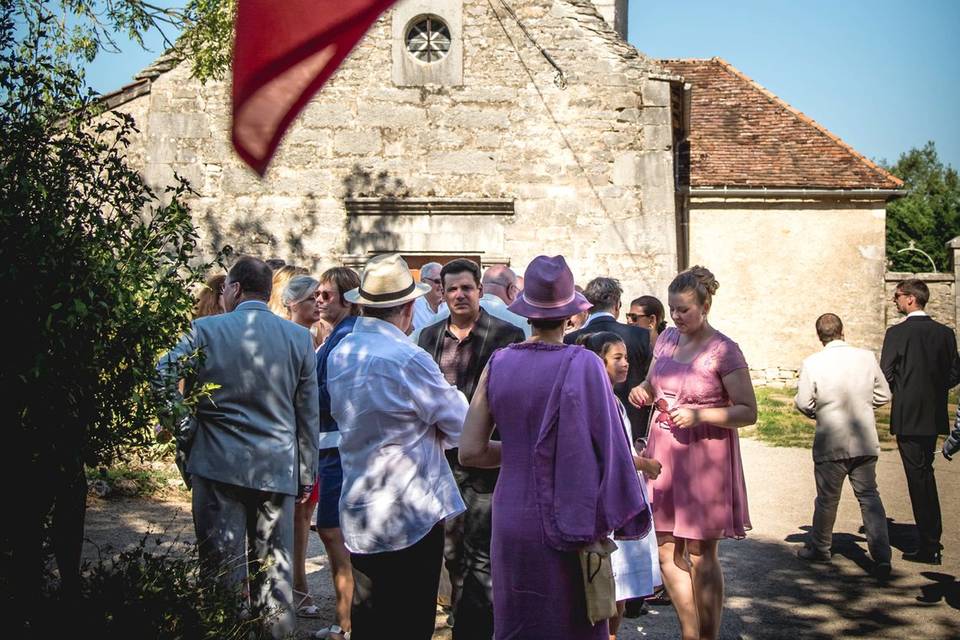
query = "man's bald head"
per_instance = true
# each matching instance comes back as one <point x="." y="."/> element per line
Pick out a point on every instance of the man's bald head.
<point x="501" y="281"/>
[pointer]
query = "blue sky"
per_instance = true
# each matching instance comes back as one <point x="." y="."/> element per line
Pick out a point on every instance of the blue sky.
<point x="882" y="75"/>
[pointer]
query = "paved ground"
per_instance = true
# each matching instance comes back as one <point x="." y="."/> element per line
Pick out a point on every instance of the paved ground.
<point x="770" y="593"/>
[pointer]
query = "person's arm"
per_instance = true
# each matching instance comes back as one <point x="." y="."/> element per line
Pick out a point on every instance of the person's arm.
<point x="955" y="364"/>
<point x="642" y="394"/>
<point x="650" y="467"/>
<point x="881" y="390"/>
<point x="952" y="443"/>
<point x="741" y="412"/>
<point x="307" y="409"/>
<point x="437" y="402"/>
<point x="476" y="448"/>
<point x="806" y="398"/>
<point x="889" y="358"/>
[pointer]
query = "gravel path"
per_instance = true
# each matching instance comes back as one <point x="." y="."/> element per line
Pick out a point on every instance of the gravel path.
<point x="770" y="593"/>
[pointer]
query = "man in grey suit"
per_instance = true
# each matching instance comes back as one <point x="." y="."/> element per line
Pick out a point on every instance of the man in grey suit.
<point x="840" y="387"/>
<point x="251" y="448"/>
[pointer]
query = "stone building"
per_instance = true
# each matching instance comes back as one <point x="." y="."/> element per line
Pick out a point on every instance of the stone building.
<point x="790" y="219"/>
<point x="474" y="143"/>
<point x="504" y="130"/>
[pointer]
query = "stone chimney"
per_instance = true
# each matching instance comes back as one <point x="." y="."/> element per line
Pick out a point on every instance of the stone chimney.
<point x="615" y="13"/>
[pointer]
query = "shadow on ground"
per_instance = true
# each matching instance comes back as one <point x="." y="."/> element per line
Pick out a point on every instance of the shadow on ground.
<point x="772" y="593"/>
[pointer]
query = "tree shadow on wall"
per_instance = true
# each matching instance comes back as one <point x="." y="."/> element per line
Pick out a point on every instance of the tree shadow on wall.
<point x="253" y="233"/>
<point x="371" y="228"/>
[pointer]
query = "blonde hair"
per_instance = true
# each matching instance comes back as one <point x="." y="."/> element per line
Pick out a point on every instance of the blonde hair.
<point x="208" y="298"/>
<point x="698" y="279"/>
<point x="281" y="277"/>
<point x="297" y="290"/>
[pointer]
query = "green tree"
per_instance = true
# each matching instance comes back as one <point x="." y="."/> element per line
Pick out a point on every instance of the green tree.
<point x="928" y="216"/>
<point x="97" y="271"/>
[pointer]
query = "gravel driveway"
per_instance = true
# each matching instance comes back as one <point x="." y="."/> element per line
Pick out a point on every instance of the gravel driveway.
<point x="770" y="593"/>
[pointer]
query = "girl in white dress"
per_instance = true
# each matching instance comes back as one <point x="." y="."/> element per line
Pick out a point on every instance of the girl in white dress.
<point x="636" y="565"/>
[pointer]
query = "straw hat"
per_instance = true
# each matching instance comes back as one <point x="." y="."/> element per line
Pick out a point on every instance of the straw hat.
<point x="386" y="282"/>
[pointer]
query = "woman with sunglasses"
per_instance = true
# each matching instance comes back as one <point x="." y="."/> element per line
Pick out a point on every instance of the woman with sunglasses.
<point x="646" y="312"/>
<point x="636" y="566"/>
<point x="700" y="387"/>
<point x="300" y="305"/>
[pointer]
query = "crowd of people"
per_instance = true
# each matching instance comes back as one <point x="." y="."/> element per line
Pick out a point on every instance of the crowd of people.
<point x="507" y="429"/>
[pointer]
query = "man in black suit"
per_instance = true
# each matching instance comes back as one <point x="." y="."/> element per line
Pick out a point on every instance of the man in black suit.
<point x="605" y="294"/>
<point x="461" y="345"/>
<point x="921" y="363"/>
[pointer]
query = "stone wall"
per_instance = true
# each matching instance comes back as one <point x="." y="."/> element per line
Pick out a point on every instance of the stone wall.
<point x="589" y="167"/>
<point x="781" y="264"/>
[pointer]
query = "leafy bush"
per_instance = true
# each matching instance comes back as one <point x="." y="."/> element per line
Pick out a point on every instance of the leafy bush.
<point x="97" y="270"/>
<point x="151" y="592"/>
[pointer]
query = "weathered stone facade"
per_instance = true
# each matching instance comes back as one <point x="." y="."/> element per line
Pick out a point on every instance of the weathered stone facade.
<point x="588" y="168"/>
<point x="783" y="262"/>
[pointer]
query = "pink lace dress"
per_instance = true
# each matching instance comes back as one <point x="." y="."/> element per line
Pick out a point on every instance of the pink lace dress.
<point x="700" y="493"/>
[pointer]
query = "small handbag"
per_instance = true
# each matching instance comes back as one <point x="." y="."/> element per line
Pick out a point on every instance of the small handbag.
<point x="598" y="583"/>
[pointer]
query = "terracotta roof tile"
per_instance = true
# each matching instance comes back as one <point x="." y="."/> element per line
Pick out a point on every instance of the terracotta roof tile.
<point x="741" y="135"/>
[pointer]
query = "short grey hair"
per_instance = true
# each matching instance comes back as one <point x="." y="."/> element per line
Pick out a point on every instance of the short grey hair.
<point x="430" y="270"/>
<point x="298" y="289"/>
<point x="603" y="293"/>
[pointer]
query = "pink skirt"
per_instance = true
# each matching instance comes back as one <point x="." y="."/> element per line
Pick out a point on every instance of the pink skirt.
<point x="700" y="493"/>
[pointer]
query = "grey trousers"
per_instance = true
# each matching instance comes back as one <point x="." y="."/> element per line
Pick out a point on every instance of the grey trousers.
<point x="245" y="533"/>
<point x="862" y="472"/>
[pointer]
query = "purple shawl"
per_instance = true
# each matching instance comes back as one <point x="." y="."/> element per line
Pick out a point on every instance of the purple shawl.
<point x="586" y="482"/>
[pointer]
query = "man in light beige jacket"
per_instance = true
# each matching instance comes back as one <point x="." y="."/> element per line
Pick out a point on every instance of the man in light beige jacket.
<point x="840" y="387"/>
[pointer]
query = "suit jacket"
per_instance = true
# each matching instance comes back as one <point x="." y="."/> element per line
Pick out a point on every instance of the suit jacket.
<point x="839" y="387"/>
<point x="488" y="335"/>
<point x="920" y="361"/>
<point x="638" y="355"/>
<point x="260" y="428"/>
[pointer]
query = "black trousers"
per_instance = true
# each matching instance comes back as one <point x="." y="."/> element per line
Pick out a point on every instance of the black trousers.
<point x="466" y="552"/>
<point x="916" y="453"/>
<point x="395" y="593"/>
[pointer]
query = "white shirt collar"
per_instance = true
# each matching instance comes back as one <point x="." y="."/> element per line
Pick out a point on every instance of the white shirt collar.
<point x="917" y="313"/>
<point x="835" y="343"/>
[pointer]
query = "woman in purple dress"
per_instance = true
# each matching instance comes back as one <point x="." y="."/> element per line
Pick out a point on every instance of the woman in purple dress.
<point x="700" y="387"/>
<point x="566" y="474"/>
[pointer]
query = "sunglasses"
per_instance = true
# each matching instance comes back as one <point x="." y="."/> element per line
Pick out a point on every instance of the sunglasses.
<point x="633" y="317"/>
<point x="663" y="418"/>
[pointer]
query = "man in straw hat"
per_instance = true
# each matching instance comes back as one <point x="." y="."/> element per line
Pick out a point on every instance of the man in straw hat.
<point x="397" y="414"/>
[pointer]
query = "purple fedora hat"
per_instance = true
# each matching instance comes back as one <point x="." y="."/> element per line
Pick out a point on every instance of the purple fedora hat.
<point x="548" y="291"/>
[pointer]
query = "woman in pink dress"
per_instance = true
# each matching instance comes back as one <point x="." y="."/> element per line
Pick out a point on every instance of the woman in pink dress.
<point x="700" y="387"/>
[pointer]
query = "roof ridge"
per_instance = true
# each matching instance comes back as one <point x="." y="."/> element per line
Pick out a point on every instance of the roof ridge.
<point x="804" y="118"/>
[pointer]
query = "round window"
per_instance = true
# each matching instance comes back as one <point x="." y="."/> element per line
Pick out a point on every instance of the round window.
<point x="428" y="39"/>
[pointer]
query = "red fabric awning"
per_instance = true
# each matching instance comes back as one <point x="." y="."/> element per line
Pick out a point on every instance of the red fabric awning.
<point x="283" y="53"/>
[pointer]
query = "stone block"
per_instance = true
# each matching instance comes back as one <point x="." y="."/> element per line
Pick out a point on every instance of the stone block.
<point x="655" y="115"/>
<point x="462" y="162"/>
<point x="626" y="169"/>
<point x="357" y="143"/>
<point x="655" y="168"/>
<point x="657" y="138"/>
<point x="384" y="114"/>
<point x="472" y="118"/>
<point x="180" y="125"/>
<point x="655" y="93"/>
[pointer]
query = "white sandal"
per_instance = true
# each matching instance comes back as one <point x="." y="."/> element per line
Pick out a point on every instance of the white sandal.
<point x="326" y="632"/>
<point x="306" y="610"/>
